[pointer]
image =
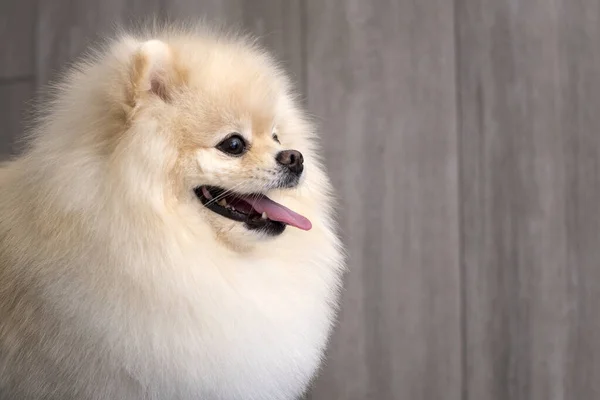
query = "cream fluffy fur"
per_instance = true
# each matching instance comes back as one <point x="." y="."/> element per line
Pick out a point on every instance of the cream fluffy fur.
<point x="115" y="282"/>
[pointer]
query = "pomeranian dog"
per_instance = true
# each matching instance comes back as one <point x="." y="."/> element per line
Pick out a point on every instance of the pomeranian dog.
<point x="168" y="233"/>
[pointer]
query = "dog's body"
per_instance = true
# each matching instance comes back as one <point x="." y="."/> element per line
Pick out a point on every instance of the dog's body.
<point x="116" y="282"/>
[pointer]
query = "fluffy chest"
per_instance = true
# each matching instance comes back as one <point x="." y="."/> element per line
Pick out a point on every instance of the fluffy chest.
<point x="240" y="329"/>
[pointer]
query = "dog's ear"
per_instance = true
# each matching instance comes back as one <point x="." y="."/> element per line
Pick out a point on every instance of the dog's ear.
<point x="154" y="72"/>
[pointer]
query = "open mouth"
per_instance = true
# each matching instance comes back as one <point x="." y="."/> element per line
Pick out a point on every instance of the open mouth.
<point x="256" y="211"/>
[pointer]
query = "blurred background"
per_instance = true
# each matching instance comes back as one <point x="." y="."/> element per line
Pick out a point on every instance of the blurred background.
<point x="463" y="138"/>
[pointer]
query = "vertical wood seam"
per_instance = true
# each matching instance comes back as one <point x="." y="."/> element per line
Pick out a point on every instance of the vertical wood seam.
<point x="34" y="44"/>
<point x="304" y="50"/>
<point x="460" y="206"/>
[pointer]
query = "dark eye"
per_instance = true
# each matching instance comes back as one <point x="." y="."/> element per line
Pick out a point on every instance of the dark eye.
<point x="234" y="145"/>
<point x="276" y="138"/>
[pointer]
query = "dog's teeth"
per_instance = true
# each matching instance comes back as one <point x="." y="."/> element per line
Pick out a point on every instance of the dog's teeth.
<point x="223" y="203"/>
<point x="264" y="215"/>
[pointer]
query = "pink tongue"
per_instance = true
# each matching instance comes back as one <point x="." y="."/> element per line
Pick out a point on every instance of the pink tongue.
<point x="277" y="212"/>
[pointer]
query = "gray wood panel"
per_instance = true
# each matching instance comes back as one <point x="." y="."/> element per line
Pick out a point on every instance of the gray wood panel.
<point x="380" y="76"/>
<point x="65" y="28"/>
<point x="529" y="75"/>
<point x="228" y="12"/>
<point x="15" y="106"/>
<point x="278" y="24"/>
<point x="17" y="22"/>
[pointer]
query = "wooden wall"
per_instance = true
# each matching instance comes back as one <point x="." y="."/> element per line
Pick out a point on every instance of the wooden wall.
<point x="464" y="140"/>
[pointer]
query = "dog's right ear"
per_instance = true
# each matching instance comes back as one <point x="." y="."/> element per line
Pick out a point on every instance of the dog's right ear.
<point x="153" y="72"/>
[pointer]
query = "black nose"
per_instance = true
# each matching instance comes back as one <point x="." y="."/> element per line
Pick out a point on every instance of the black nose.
<point x="291" y="159"/>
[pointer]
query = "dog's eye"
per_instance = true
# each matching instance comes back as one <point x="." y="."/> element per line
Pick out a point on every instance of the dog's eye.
<point x="276" y="138"/>
<point x="234" y="145"/>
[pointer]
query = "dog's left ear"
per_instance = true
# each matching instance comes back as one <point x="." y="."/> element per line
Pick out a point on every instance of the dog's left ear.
<point x="154" y="72"/>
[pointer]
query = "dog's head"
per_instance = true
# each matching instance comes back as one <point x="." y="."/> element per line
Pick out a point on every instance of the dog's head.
<point x="215" y="127"/>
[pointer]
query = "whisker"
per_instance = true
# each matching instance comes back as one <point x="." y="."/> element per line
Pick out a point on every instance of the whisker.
<point x="231" y="192"/>
<point x="223" y="194"/>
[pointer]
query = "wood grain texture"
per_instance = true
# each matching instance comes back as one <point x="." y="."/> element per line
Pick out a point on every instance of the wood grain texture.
<point x="381" y="79"/>
<point x="529" y="94"/>
<point x="279" y="26"/>
<point x="65" y="28"/>
<point x="15" y="103"/>
<point x="17" y="22"/>
<point x="219" y="12"/>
